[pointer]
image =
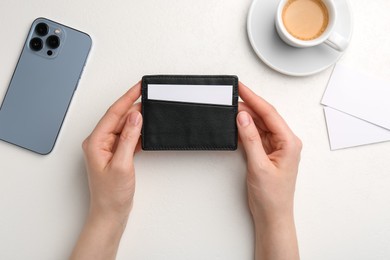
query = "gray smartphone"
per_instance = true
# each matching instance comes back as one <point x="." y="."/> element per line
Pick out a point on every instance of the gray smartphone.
<point x="42" y="86"/>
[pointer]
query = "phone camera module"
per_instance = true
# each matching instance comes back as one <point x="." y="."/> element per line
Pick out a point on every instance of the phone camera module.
<point x="36" y="44"/>
<point x="53" y="41"/>
<point x="42" y="29"/>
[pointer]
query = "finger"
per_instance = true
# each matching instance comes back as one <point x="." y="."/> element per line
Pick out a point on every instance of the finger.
<point x="102" y="144"/>
<point x="122" y="121"/>
<point x="138" y="147"/>
<point x="110" y="121"/>
<point x="271" y="118"/>
<point x="250" y="138"/>
<point x="128" y="140"/>
<point x="258" y="121"/>
<point x="109" y="142"/>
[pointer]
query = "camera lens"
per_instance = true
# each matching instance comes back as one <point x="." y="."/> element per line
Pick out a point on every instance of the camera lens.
<point x="36" y="44"/>
<point x="42" y="29"/>
<point x="53" y="41"/>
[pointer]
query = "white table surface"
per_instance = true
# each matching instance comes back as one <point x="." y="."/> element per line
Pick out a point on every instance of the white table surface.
<point x="192" y="205"/>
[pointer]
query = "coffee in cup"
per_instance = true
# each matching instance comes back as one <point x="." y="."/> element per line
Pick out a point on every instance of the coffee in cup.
<point x="305" y="19"/>
<point x="307" y="23"/>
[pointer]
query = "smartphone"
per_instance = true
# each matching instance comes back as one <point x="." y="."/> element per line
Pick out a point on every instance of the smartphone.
<point x="40" y="91"/>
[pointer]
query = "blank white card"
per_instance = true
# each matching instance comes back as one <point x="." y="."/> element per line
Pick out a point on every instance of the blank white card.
<point x="357" y="108"/>
<point x="205" y="94"/>
<point x="359" y="95"/>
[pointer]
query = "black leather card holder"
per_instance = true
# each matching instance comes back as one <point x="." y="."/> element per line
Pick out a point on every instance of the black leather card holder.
<point x="178" y="125"/>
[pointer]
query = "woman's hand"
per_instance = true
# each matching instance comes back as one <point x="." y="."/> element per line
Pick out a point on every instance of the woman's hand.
<point x="109" y="152"/>
<point x="273" y="154"/>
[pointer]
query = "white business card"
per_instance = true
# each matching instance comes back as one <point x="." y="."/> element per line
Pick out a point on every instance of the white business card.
<point x="356" y="108"/>
<point x="348" y="131"/>
<point x="359" y="95"/>
<point x="204" y="94"/>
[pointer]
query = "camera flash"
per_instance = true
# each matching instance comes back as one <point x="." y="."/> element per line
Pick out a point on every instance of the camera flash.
<point x="57" y="31"/>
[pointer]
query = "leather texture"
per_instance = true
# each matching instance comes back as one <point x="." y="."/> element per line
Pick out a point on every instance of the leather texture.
<point x="170" y="125"/>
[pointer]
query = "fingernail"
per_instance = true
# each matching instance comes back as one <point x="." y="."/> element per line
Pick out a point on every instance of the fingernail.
<point x="243" y="119"/>
<point x="135" y="118"/>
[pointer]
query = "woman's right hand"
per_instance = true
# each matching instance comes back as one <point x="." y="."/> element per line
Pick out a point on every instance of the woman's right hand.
<point x="273" y="155"/>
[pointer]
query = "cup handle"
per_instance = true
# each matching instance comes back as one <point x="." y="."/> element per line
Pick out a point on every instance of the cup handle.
<point x="337" y="42"/>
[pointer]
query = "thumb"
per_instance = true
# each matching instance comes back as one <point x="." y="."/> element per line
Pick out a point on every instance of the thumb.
<point x="128" y="139"/>
<point x="250" y="138"/>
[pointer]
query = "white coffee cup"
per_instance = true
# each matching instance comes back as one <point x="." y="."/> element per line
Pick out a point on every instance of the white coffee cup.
<point x="328" y="35"/>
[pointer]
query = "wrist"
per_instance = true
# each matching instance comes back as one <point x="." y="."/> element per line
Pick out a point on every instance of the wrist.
<point x="100" y="237"/>
<point x="273" y="220"/>
<point x="276" y="239"/>
<point x="274" y="223"/>
<point x="108" y="221"/>
<point x="106" y="212"/>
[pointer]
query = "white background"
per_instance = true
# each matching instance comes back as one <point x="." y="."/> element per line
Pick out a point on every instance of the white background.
<point x="192" y="205"/>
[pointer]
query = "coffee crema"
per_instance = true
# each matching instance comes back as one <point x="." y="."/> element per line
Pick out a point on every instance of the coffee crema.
<point x="305" y="19"/>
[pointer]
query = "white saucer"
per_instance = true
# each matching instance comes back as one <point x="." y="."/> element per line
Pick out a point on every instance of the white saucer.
<point x="282" y="57"/>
